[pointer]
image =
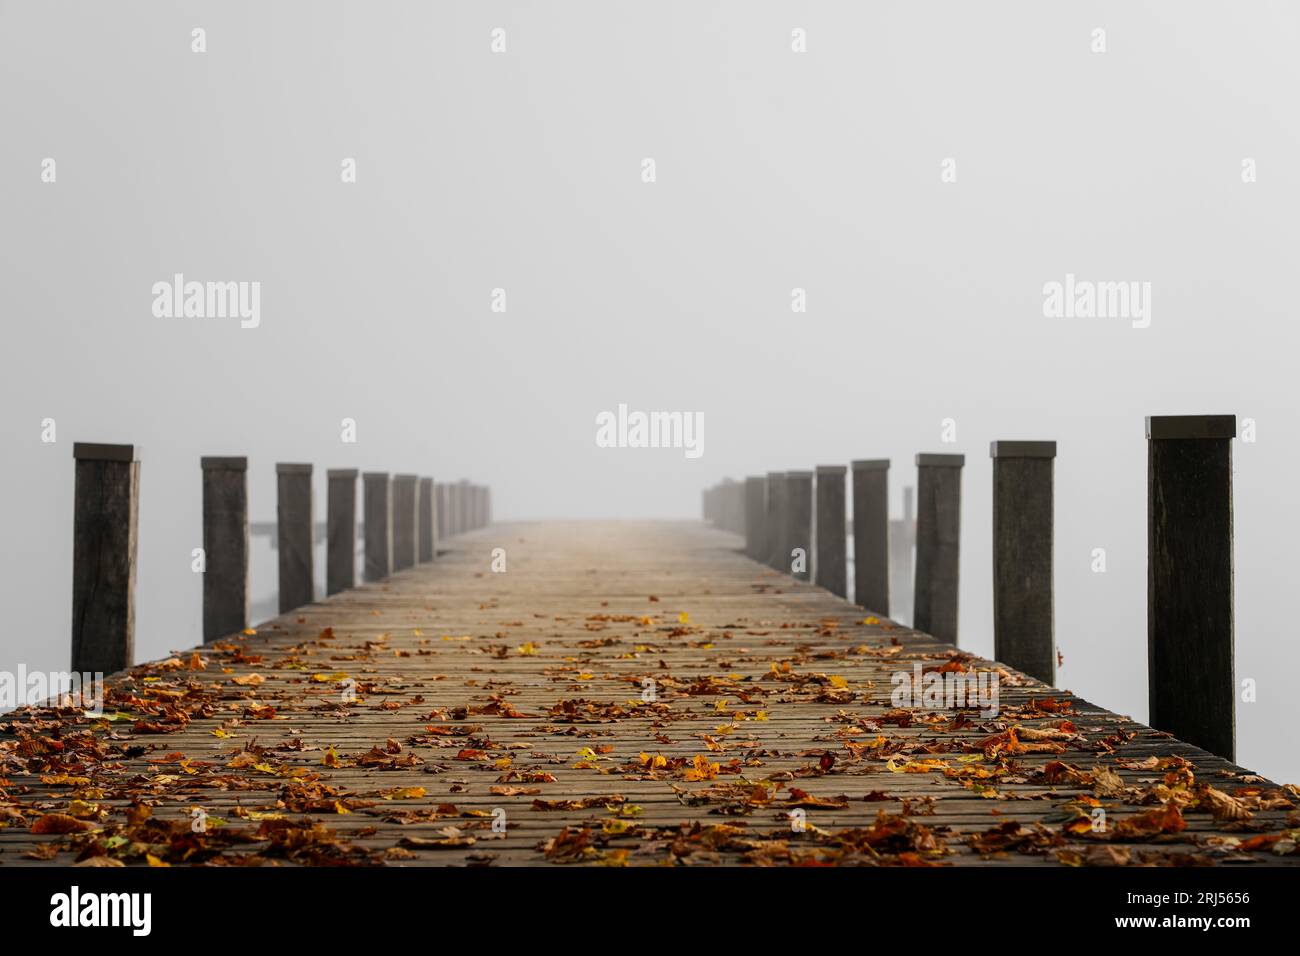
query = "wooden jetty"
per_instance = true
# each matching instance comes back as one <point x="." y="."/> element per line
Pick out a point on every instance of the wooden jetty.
<point x="622" y="693"/>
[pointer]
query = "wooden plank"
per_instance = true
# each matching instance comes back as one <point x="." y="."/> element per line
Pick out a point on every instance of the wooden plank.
<point x="464" y="681"/>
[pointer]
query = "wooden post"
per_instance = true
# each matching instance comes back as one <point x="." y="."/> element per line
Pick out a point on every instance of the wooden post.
<point x="902" y="539"/>
<point x="831" y="520"/>
<point x="799" y="522"/>
<point x="440" y="511"/>
<point x="1023" y="622"/>
<point x="106" y="501"/>
<point x="378" y="510"/>
<point x="453" y="510"/>
<point x="428" y="536"/>
<point x="871" y="535"/>
<point x="1192" y="687"/>
<point x="755" y="517"/>
<point x="778" y="557"/>
<point x="225" y="546"/>
<point x="404" y="530"/>
<point x="341" y="530"/>
<point x="293" y="522"/>
<point x="487" y="505"/>
<point x="463" y="506"/>
<point x="938" y="539"/>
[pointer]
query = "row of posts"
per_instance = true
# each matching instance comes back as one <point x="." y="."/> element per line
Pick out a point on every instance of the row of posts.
<point x="403" y="519"/>
<point x="794" y="522"/>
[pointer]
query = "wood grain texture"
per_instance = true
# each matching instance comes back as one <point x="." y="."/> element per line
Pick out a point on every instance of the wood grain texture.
<point x="468" y="684"/>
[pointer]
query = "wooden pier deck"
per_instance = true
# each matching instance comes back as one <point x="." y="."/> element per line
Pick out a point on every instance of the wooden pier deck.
<point x="508" y="718"/>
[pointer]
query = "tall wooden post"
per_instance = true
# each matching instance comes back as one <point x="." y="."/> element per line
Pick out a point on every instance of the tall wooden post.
<point x="463" y="506"/>
<point x="453" y="514"/>
<point x="831" y="571"/>
<point x="871" y="534"/>
<point x="778" y="556"/>
<point x="404" y="529"/>
<point x="293" y="521"/>
<point x="938" y="540"/>
<point x="755" y="517"/>
<point x="1192" y="687"/>
<point x="341" y="530"/>
<point x="440" y="511"/>
<point x="799" y="522"/>
<point x="1023" y="622"/>
<point x="378" y="510"/>
<point x="428" y="537"/>
<point x="106" y="501"/>
<point x="487" y="505"/>
<point x="225" y="546"/>
<point x="902" y="539"/>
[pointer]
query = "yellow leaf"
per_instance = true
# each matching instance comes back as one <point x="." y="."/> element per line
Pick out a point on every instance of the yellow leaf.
<point x="683" y="618"/>
<point x="154" y="861"/>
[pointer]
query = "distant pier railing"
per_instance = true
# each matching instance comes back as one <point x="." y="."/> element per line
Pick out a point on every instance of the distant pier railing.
<point x="794" y="522"/>
<point x="404" y="518"/>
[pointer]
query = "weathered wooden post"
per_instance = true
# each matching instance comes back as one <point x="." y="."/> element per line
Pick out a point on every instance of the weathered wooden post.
<point x="831" y="568"/>
<point x="404" y="529"/>
<point x="1192" y="687"/>
<point x="778" y="556"/>
<point x="902" y="539"/>
<point x="440" y="510"/>
<point x="755" y="517"/>
<point x="487" y="505"/>
<point x="106" y="499"/>
<point x="378" y="510"/>
<point x="341" y="530"/>
<point x="293" y="523"/>
<point x="478" y="506"/>
<point x="1023" y="622"/>
<point x="428" y="535"/>
<point x="453" y="513"/>
<point x="463" y="506"/>
<point x="225" y="546"/>
<point x="938" y="540"/>
<point x="799" y="526"/>
<point x="871" y="534"/>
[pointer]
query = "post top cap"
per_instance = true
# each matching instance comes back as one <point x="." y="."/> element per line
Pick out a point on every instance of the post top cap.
<point x="871" y="464"/>
<point x="940" y="461"/>
<point x="1022" y="449"/>
<point x="1191" y="426"/>
<point x="798" y="474"/>
<point x="374" y="474"/>
<point x="341" y="473"/>
<point x="93" y="451"/>
<point x="405" y="477"/>
<point x="426" y="480"/>
<point x="749" y="478"/>
<point x="830" y="469"/>
<point x="219" y="463"/>
<point x="292" y="468"/>
<point x="776" y="474"/>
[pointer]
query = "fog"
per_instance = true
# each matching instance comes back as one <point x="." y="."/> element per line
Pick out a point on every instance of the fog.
<point x="774" y="171"/>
